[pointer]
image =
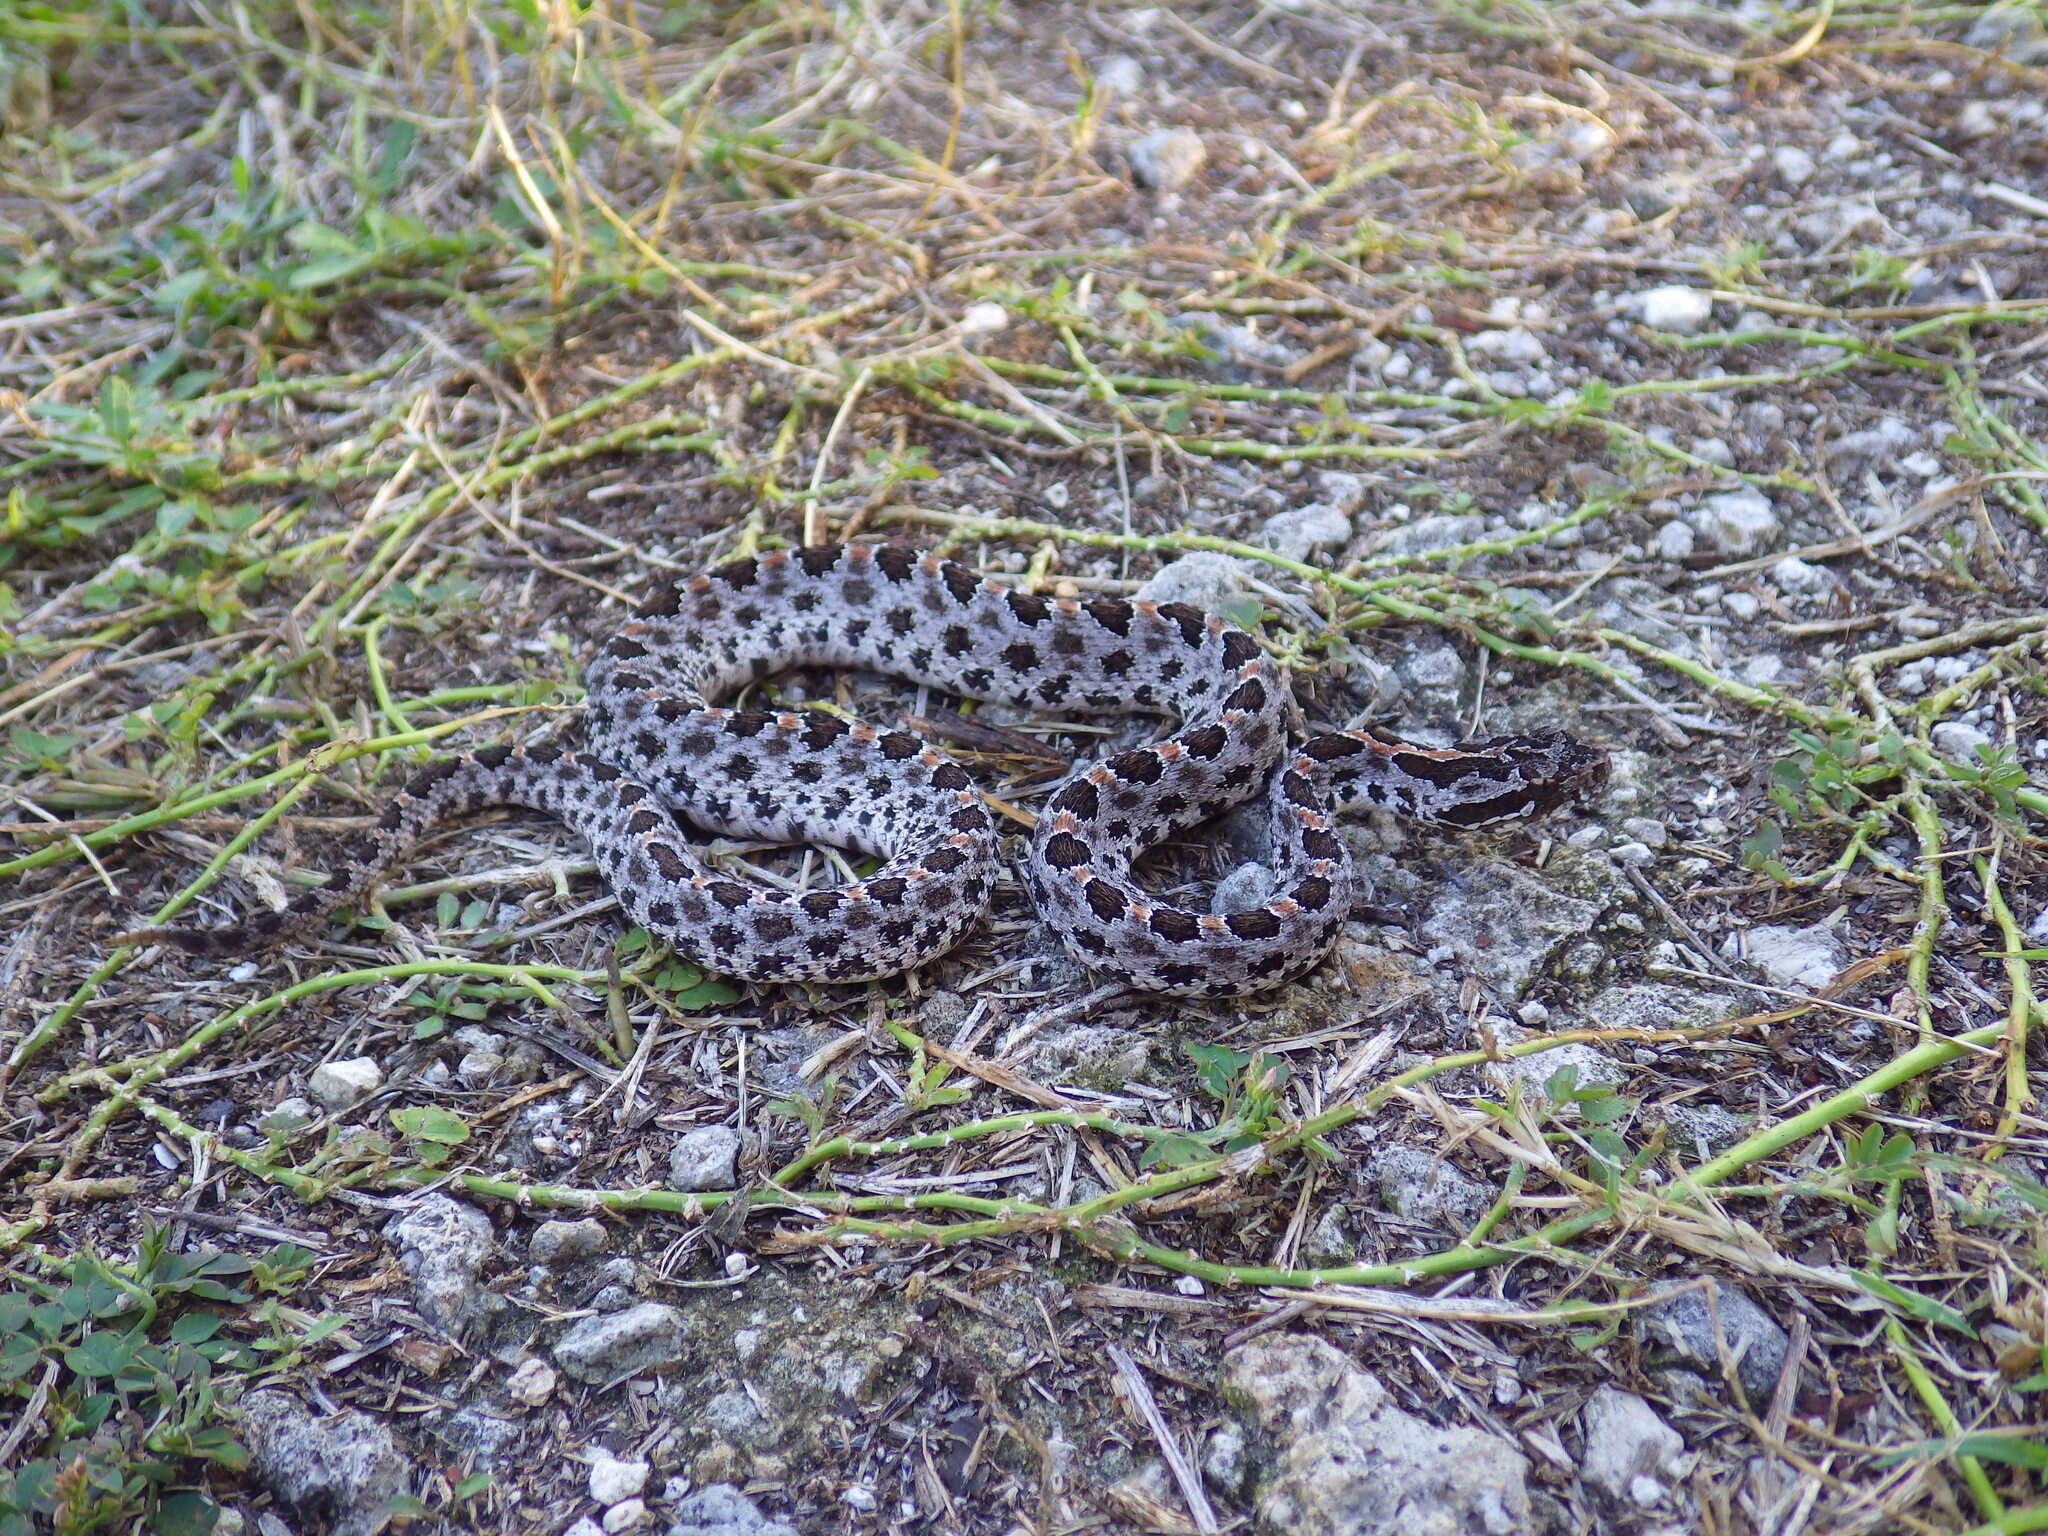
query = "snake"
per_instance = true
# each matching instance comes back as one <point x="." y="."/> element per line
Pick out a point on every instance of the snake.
<point x="661" y="756"/>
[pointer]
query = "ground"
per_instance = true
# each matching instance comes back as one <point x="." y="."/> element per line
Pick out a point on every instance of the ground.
<point x="1667" y="375"/>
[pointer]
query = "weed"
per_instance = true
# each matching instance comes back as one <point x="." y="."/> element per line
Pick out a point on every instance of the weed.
<point x="118" y="1370"/>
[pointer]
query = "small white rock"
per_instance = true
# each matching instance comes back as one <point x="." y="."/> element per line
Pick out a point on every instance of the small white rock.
<point x="1120" y="73"/>
<point x="1645" y="830"/>
<point x="1741" y="605"/>
<point x="585" y="1527"/>
<point x="1295" y="533"/>
<point x="1739" y="522"/>
<point x="1638" y="854"/>
<point x="629" y="1516"/>
<point x="1674" y="541"/>
<point x="1923" y="464"/>
<point x="1795" y="575"/>
<point x="532" y="1384"/>
<point x="1167" y="159"/>
<point x="335" y="1085"/>
<point x="1245" y="887"/>
<point x="705" y="1158"/>
<point x="1795" y="167"/>
<point x="1790" y="957"/>
<point x="1204" y="580"/>
<point x="983" y="319"/>
<point x="1958" y="741"/>
<point x="1675" y="308"/>
<point x="1516" y="348"/>
<point x="290" y="1115"/>
<point x="613" y="1479"/>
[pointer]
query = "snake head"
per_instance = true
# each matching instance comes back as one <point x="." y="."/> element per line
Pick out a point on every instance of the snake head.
<point x="1548" y="769"/>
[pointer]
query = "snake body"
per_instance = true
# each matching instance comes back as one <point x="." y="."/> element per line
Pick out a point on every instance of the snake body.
<point x="658" y="747"/>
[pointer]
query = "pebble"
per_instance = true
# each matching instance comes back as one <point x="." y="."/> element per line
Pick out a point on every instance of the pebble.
<point x="1739" y="522"/>
<point x="722" y="1510"/>
<point x="339" y="1469"/>
<point x="291" y="1114"/>
<point x="335" y="1085"/>
<point x="613" y="1478"/>
<point x="1433" y="668"/>
<point x="1631" y="1455"/>
<point x="1517" y="347"/>
<point x="1208" y="581"/>
<point x="532" y="1384"/>
<point x="1674" y="541"/>
<point x="1120" y="73"/>
<point x="1640" y="855"/>
<point x="629" y="1516"/>
<point x="1795" y="575"/>
<point x="2013" y="30"/>
<point x="983" y="319"/>
<point x="1886" y="440"/>
<point x="1741" y="605"/>
<point x="1685" y="1326"/>
<point x="443" y="1244"/>
<point x="563" y="1242"/>
<point x="1245" y="887"/>
<point x="705" y="1158"/>
<point x="1675" y="308"/>
<point x="1420" y="1186"/>
<point x="1932" y="672"/>
<point x="1428" y="534"/>
<point x="602" y="1349"/>
<point x="1645" y="830"/>
<point x="1297" y="532"/>
<point x="1167" y="159"/>
<point x="1958" y="741"/>
<point x="1795" y="167"/>
<point x="1342" y="488"/>
<point x="1348" y="1460"/>
<point x="1790" y="957"/>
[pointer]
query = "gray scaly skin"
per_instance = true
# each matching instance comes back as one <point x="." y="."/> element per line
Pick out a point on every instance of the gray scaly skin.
<point x="658" y="747"/>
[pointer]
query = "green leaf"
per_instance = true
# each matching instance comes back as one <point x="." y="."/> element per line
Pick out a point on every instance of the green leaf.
<point x="1218" y="1069"/>
<point x="19" y="1353"/>
<point x="194" y="1328"/>
<point x="100" y="1353"/>
<point x="430" y="1123"/>
<point x="2008" y="1450"/>
<point x="185" y="1514"/>
<point x="180" y="290"/>
<point x="446" y="909"/>
<point x="1605" y="1108"/>
<point x="1176" y="1152"/>
<point x="1913" y="1304"/>
<point x="39" y="747"/>
<point x="316" y="271"/>
<point x="399" y="137"/>
<point x="706" y="994"/>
